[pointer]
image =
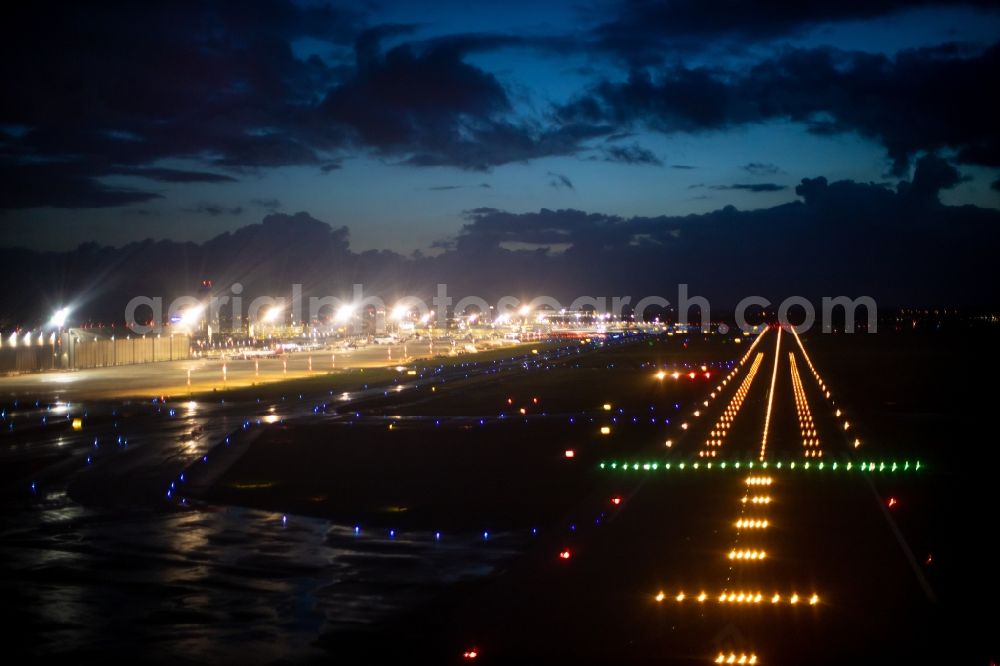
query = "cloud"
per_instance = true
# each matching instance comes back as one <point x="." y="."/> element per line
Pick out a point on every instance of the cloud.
<point x="843" y="237"/>
<point x="268" y="204"/>
<point x="996" y="185"/>
<point x="682" y="166"/>
<point x="752" y="187"/>
<point x="211" y="81"/>
<point x="214" y="210"/>
<point x="214" y="82"/>
<point x="647" y="31"/>
<point x="633" y="154"/>
<point x="761" y="169"/>
<point x="919" y="100"/>
<point x="445" y="188"/>
<point x="424" y="103"/>
<point x="61" y="185"/>
<point x="558" y="180"/>
<point x="838" y="238"/>
<point x="171" y="175"/>
<point x="933" y="174"/>
<point x="104" y="90"/>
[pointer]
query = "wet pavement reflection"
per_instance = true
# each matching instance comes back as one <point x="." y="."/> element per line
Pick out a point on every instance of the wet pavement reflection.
<point x="96" y="563"/>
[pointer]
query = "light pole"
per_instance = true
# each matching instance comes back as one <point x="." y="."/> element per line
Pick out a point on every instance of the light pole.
<point x="58" y="321"/>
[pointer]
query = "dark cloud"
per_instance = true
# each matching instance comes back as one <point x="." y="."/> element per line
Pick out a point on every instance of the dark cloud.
<point x="996" y="185"/>
<point x="100" y="90"/>
<point x="900" y="246"/>
<point x="752" y="187"/>
<point x="843" y="237"/>
<point x="445" y="188"/>
<point x="61" y="185"/>
<point x="633" y="154"/>
<point x="761" y="169"/>
<point x="645" y="31"/>
<point x="682" y="166"/>
<point x="221" y="83"/>
<point x="932" y="175"/>
<point x="214" y="210"/>
<point x="172" y="175"/>
<point x="558" y="180"/>
<point x="919" y="100"/>
<point x="110" y="90"/>
<point x="423" y="102"/>
<point x="268" y="204"/>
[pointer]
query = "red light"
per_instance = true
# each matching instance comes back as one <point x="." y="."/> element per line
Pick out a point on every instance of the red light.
<point x="930" y="558"/>
<point x="470" y="654"/>
<point x="691" y="375"/>
<point x="892" y="501"/>
<point x="534" y="400"/>
<point x="570" y="453"/>
<point x="708" y="375"/>
<point x="616" y="500"/>
<point x="565" y="554"/>
<point x="510" y="401"/>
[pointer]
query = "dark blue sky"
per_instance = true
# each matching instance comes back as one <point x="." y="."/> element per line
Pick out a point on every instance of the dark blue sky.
<point x="182" y="120"/>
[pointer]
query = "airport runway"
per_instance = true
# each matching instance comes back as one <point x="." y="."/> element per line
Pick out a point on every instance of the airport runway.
<point x="687" y="558"/>
<point x="793" y="558"/>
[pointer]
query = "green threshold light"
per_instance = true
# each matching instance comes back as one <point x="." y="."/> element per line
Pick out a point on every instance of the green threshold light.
<point x="889" y="466"/>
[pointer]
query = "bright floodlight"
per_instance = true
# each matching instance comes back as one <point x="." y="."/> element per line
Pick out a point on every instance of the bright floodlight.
<point x="399" y="312"/>
<point x="344" y="312"/>
<point x="524" y="311"/>
<point x="59" y="317"/>
<point x="272" y="314"/>
<point x="191" y="315"/>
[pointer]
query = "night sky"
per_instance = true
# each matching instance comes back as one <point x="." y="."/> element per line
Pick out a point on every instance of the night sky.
<point x="535" y="127"/>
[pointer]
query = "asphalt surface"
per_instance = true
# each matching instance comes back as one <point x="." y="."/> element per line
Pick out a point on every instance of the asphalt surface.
<point x="622" y="586"/>
<point x="654" y="579"/>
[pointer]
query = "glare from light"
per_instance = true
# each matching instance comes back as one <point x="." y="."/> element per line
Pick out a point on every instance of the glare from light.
<point x="59" y="317"/>
<point x="191" y="316"/>
<point x="344" y="312"/>
<point x="272" y="314"/>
